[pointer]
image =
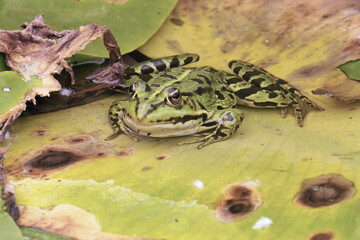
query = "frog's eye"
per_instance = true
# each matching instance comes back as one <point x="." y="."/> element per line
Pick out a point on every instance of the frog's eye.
<point x="133" y="87"/>
<point x="174" y="96"/>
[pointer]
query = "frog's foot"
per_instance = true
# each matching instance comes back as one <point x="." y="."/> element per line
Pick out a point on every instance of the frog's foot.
<point x="227" y="124"/>
<point x="118" y="131"/>
<point x="113" y="135"/>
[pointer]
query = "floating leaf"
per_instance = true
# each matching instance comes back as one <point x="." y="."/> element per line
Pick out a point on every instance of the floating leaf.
<point x="351" y="69"/>
<point x="154" y="188"/>
<point x="8" y="228"/>
<point x="35" y="234"/>
<point x="133" y="22"/>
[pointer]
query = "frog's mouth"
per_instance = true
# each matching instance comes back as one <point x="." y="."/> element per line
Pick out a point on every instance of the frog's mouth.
<point x="165" y="129"/>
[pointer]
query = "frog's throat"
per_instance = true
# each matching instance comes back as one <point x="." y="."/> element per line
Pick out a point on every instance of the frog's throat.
<point x="164" y="130"/>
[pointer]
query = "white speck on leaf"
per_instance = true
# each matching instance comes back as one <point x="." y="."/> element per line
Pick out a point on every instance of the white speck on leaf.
<point x="6" y="89"/>
<point x="262" y="223"/>
<point x="199" y="184"/>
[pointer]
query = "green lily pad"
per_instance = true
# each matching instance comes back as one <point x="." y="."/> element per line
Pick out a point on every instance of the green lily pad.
<point x="35" y="234"/>
<point x="8" y="228"/>
<point x="132" y="22"/>
<point x="13" y="89"/>
<point x="351" y="69"/>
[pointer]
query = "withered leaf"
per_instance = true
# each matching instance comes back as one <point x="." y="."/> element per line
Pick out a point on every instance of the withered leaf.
<point x="37" y="52"/>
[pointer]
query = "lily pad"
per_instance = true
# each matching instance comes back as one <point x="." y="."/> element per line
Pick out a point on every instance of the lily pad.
<point x="8" y="228"/>
<point x="133" y="22"/>
<point x="351" y="69"/>
<point x="35" y="234"/>
<point x="157" y="189"/>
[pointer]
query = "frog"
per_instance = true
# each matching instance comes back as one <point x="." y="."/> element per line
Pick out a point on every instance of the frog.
<point x="169" y="100"/>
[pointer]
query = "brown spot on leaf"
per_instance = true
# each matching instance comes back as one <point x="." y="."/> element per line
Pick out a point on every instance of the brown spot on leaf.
<point x="240" y="200"/>
<point x="37" y="163"/>
<point x="97" y="133"/>
<point x="147" y="168"/>
<point x="126" y="153"/>
<point x="78" y="139"/>
<point x="162" y="157"/>
<point x="40" y="132"/>
<point x="328" y="235"/>
<point x="177" y="21"/>
<point x="324" y="191"/>
<point x="51" y="159"/>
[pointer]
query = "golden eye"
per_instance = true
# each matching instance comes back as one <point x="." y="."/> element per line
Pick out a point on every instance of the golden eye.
<point x="174" y="96"/>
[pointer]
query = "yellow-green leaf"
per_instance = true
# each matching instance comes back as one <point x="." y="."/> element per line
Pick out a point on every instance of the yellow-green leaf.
<point x="154" y="188"/>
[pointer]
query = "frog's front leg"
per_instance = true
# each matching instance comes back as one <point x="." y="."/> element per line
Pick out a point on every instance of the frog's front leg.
<point x="116" y="116"/>
<point x="227" y="123"/>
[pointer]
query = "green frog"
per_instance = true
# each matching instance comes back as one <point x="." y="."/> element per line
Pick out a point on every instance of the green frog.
<point x="169" y="101"/>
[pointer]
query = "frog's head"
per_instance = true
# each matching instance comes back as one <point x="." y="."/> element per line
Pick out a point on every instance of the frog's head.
<point x="163" y="109"/>
<point x="156" y="103"/>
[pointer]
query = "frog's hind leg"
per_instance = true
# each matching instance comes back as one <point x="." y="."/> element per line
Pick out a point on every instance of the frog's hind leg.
<point x="228" y="122"/>
<point x="161" y="64"/>
<point x="265" y="90"/>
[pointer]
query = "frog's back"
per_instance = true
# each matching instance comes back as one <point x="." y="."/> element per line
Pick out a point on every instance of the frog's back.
<point x="189" y="79"/>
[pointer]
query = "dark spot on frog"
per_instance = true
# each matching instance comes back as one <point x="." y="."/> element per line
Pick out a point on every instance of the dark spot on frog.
<point x="233" y="80"/>
<point x="155" y="85"/>
<point x="174" y="62"/>
<point x="160" y="65"/>
<point x="239" y="201"/>
<point x="201" y="90"/>
<point x="322" y="236"/>
<point x="144" y="169"/>
<point x="257" y="82"/>
<point x="273" y="95"/>
<point x="206" y="79"/>
<point x="250" y="74"/>
<point x="162" y="157"/>
<point x="324" y="191"/>
<point x="177" y="21"/>
<point x="169" y="76"/>
<point x="129" y="71"/>
<point x="265" y="104"/>
<point x="40" y="132"/>
<point x="52" y="159"/>
<point x="197" y="80"/>
<point x="146" y="69"/>
<point x="219" y="107"/>
<point x="188" y="60"/>
<point x="243" y="93"/>
<point x="145" y="77"/>
<point x="219" y="95"/>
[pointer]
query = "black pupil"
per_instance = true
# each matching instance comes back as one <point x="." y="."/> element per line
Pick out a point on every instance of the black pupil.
<point x="175" y="94"/>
